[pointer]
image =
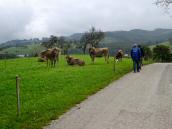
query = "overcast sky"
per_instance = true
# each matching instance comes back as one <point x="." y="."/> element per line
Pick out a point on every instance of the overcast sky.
<point x="41" y="18"/>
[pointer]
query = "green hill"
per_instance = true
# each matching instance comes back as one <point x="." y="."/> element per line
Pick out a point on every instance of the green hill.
<point x="30" y="50"/>
<point x="125" y="39"/>
<point x="136" y="35"/>
<point x="113" y="39"/>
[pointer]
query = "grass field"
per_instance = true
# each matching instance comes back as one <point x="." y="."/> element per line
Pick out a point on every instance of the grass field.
<point x="46" y="93"/>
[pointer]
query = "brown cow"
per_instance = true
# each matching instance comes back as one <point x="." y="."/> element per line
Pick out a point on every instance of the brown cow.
<point x="99" y="52"/>
<point x="52" y="55"/>
<point x="74" y="61"/>
<point x="119" y="55"/>
<point x="40" y="59"/>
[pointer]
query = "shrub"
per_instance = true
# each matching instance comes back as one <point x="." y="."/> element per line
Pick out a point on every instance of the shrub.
<point x="147" y="52"/>
<point x="161" y="53"/>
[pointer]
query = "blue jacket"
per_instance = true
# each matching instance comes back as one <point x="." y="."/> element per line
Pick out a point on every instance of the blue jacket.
<point x="136" y="53"/>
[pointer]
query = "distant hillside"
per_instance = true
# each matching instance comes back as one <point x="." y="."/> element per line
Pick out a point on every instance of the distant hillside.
<point x="113" y="39"/>
<point x="29" y="50"/>
<point x="136" y="35"/>
<point x="19" y="43"/>
<point x="125" y="39"/>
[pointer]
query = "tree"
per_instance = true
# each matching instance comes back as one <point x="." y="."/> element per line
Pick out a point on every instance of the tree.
<point x="147" y="52"/>
<point x="163" y="3"/>
<point x="35" y="49"/>
<point x="161" y="53"/>
<point x="170" y="41"/>
<point x="66" y="48"/>
<point x="93" y="38"/>
<point x="51" y="42"/>
<point x="61" y="41"/>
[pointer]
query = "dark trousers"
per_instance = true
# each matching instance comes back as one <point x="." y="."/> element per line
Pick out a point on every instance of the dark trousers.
<point x="136" y="65"/>
<point x="141" y="62"/>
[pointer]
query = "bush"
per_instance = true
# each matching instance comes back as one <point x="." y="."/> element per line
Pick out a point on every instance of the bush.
<point x="7" y="56"/>
<point x="161" y="53"/>
<point x="147" y="52"/>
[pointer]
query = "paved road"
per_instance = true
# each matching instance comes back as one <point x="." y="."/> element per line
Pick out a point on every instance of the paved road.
<point x="136" y="101"/>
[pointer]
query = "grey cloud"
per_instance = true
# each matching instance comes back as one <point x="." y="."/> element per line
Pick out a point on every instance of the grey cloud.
<point x="38" y="18"/>
<point x="14" y="19"/>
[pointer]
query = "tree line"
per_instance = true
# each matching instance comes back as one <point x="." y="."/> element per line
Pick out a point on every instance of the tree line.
<point x="91" y="38"/>
<point x="160" y="53"/>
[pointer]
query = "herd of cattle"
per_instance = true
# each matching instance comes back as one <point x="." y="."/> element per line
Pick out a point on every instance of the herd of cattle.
<point x="51" y="56"/>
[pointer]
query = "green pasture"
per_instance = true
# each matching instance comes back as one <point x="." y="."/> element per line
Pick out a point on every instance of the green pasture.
<point x="47" y="93"/>
<point x="31" y="49"/>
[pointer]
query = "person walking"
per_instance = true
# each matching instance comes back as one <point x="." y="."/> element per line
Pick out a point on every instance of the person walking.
<point x="142" y="56"/>
<point x="136" y="55"/>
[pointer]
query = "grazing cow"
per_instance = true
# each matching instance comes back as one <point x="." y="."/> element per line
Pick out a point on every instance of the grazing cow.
<point x="119" y="55"/>
<point x="42" y="56"/>
<point x="50" y="54"/>
<point x="99" y="52"/>
<point x="40" y="59"/>
<point x="74" y="61"/>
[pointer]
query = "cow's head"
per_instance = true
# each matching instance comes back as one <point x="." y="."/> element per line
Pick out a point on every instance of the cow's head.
<point x="57" y="50"/>
<point x="91" y="49"/>
<point x="68" y="57"/>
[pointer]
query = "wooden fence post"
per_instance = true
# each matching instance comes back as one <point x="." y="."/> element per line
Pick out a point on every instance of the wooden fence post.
<point x="18" y="94"/>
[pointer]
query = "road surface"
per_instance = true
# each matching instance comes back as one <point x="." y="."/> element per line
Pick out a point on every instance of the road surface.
<point x="136" y="101"/>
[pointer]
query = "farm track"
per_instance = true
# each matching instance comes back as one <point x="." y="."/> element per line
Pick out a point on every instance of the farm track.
<point x="136" y="101"/>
